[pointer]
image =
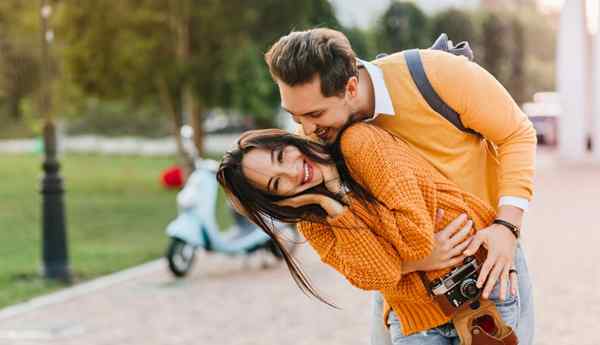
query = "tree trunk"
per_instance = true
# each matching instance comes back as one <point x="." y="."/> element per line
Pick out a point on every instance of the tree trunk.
<point x="190" y="103"/>
<point x="14" y="109"/>
<point x="168" y="106"/>
<point x="194" y="110"/>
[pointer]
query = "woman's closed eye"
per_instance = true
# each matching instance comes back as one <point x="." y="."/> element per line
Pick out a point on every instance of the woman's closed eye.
<point x="278" y="153"/>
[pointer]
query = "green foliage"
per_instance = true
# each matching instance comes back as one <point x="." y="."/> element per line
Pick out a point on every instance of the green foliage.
<point x="116" y="52"/>
<point x="402" y="26"/>
<point x="117" y="118"/>
<point x="114" y="49"/>
<point x="19" y="60"/>
<point x="460" y="25"/>
<point x="518" y="61"/>
<point x="496" y="46"/>
<point x="362" y="42"/>
<point x="249" y="85"/>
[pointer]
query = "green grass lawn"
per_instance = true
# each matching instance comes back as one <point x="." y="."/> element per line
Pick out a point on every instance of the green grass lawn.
<point x="116" y="213"/>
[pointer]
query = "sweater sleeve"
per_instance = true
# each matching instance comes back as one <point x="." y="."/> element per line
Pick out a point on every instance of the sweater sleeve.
<point x="348" y="245"/>
<point x="394" y="174"/>
<point x="485" y="106"/>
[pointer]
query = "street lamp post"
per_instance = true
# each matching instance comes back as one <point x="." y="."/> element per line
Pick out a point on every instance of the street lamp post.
<point x="54" y="243"/>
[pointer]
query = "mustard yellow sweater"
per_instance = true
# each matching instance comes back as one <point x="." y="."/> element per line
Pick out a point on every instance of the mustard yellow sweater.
<point x="368" y="244"/>
<point x="502" y="164"/>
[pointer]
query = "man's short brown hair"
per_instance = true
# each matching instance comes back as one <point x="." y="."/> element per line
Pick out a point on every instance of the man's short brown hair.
<point x="297" y="57"/>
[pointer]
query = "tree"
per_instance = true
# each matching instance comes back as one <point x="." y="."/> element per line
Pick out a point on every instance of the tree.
<point x="518" y="59"/>
<point x="402" y="26"/>
<point x="19" y="54"/>
<point x="497" y="46"/>
<point x="361" y="42"/>
<point x="191" y="55"/>
<point x="460" y="25"/>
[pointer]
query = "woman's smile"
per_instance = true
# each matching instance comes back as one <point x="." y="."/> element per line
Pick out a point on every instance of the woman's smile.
<point x="308" y="172"/>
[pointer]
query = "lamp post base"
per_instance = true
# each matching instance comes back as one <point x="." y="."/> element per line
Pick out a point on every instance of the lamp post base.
<point x="54" y="241"/>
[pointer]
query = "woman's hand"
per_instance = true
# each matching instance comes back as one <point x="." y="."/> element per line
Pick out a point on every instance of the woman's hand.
<point x="330" y="205"/>
<point x="448" y="246"/>
<point x="331" y="178"/>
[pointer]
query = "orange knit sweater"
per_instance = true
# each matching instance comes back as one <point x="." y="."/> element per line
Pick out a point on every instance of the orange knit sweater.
<point x="367" y="244"/>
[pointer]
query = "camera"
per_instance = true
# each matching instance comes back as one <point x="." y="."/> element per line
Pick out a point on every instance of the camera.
<point x="459" y="285"/>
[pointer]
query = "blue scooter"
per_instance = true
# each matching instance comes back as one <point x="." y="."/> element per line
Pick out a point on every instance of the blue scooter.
<point x="196" y="225"/>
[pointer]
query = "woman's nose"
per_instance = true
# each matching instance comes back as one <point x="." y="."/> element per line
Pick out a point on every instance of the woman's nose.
<point x="289" y="166"/>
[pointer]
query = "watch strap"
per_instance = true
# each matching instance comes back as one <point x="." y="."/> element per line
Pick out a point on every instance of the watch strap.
<point x="510" y="226"/>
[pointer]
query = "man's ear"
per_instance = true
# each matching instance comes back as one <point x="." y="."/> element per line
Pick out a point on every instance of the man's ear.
<point x="352" y="87"/>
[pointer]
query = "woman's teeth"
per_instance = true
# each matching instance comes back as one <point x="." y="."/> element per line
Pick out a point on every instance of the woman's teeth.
<point x="305" y="179"/>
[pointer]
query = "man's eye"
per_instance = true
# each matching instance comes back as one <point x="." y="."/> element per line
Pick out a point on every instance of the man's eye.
<point x="316" y="115"/>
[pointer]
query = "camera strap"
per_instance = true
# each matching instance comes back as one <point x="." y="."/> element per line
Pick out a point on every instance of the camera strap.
<point x="426" y="282"/>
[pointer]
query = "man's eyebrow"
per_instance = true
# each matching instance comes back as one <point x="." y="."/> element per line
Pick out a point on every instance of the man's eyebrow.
<point x="312" y="112"/>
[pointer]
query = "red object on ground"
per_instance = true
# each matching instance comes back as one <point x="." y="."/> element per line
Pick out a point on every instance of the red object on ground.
<point x="172" y="177"/>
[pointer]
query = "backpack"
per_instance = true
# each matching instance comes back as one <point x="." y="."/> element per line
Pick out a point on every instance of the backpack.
<point x="417" y="72"/>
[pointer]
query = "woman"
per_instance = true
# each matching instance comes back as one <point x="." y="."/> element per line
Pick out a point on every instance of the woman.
<point x="378" y="234"/>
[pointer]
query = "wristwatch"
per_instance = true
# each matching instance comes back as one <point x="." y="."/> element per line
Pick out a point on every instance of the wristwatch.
<point x="510" y="226"/>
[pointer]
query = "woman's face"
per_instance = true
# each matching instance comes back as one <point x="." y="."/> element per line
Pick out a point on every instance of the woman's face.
<point x="281" y="171"/>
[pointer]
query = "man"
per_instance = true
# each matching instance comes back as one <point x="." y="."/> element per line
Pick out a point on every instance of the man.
<point x="323" y="86"/>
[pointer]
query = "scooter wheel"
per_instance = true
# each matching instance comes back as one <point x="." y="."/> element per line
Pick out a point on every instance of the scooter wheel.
<point x="180" y="255"/>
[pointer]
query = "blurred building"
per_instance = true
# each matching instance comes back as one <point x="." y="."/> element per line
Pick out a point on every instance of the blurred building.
<point x="578" y="79"/>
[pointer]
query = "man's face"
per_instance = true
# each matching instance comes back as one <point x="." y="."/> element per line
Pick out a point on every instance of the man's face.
<point x="318" y="115"/>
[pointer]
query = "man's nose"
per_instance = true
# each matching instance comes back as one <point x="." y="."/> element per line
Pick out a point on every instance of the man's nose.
<point x="308" y="127"/>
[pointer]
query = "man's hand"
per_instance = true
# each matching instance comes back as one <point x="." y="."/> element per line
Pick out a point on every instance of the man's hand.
<point x="501" y="245"/>
<point x="448" y="245"/>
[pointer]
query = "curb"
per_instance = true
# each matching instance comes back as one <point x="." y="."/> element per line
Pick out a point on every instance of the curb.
<point x="81" y="289"/>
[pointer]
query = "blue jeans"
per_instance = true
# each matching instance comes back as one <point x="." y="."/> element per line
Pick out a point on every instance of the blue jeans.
<point x="516" y="311"/>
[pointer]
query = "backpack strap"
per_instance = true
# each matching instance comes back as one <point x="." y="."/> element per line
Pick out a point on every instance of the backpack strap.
<point x="417" y="72"/>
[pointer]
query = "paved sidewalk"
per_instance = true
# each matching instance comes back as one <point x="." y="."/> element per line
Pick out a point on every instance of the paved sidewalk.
<point x="234" y="302"/>
<point x="225" y="301"/>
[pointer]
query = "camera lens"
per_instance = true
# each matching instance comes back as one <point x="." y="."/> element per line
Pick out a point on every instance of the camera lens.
<point x="469" y="289"/>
